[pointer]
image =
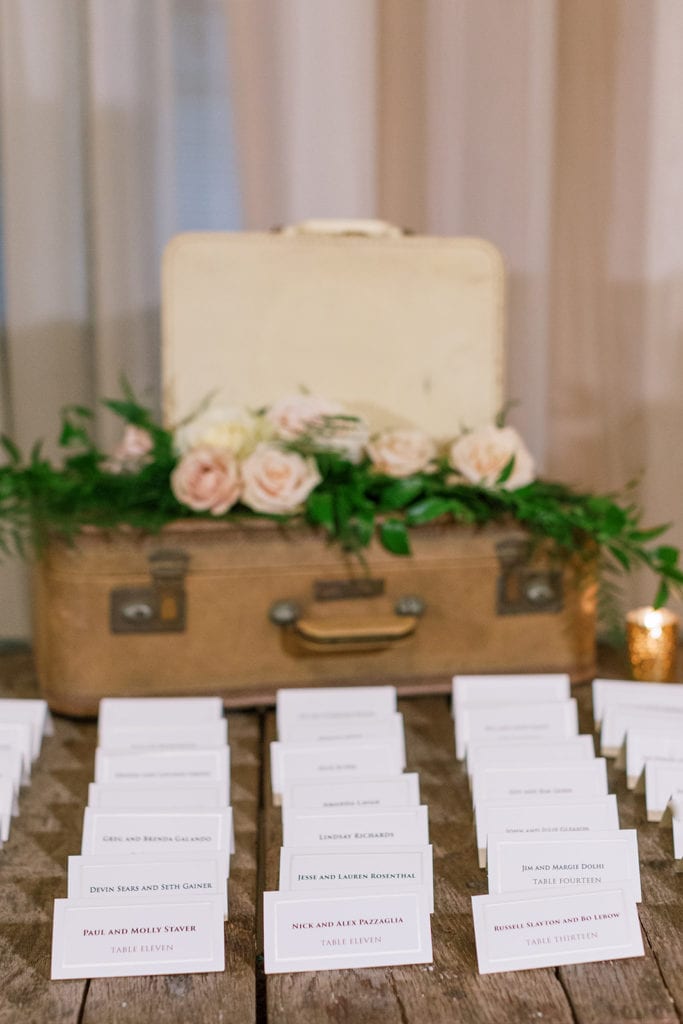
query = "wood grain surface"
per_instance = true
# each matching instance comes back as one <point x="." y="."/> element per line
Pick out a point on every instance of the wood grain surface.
<point x="648" y="990"/>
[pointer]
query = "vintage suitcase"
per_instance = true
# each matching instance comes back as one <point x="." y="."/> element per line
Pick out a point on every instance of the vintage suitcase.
<point x="401" y="329"/>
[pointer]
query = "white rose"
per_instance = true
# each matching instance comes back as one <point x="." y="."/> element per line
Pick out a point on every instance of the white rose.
<point x="295" y="415"/>
<point x="483" y="455"/>
<point x="207" y="480"/>
<point x="402" y="452"/>
<point x="222" y="427"/>
<point x="277" y="481"/>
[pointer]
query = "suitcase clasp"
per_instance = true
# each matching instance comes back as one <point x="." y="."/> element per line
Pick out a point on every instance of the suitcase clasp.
<point x="524" y="589"/>
<point x="158" y="608"/>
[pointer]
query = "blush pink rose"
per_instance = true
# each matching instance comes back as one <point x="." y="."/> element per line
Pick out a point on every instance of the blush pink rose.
<point x="207" y="480"/>
<point x="295" y="415"/>
<point x="401" y="452"/>
<point x="482" y="455"/>
<point x="277" y="481"/>
<point x="132" y="452"/>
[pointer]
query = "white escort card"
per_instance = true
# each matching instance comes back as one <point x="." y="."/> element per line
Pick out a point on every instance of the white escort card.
<point x="7" y="808"/>
<point x="515" y="932"/>
<point x="313" y="870"/>
<point x="118" y="712"/>
<point x="618" y="719"/>
<point x="95" y="938"/>
<point x="641" y="744"/>
<point x="514" y="754"/>
<point x="168" y="736"/>
<point x="398" y="791"/>
<point x="148" y="877"/>
<point x="161" y="796"/>
<point x="551" y="720"/>
<point x="338" y="705"/>
<point x="552" y="780"/>
<point x="404" y="826"/>
<point x="607" y="692"/>
<point x="566" y="818"/>
<point x="663" y="781"/>
<point x="163" y="766"/>
<point x="388" y="727"/>
<point x="34" y="713"/>
<point x="510" y="689"/>
<point x="373" y="759"/>
<point x="163" y="832"/>
<point x="17" y="736"/>
<point x="321" y="932"/>
<point x="11" y="768"/>
<point x="677" y="826"/>
<point x="594" y="860"/>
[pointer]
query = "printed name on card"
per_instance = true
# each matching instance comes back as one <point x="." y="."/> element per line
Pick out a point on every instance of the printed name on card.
<point x="530" y="752"/>
<point x="617" y="720"/>
<point x="125" y="766"/>
<point x="147" y="877"/>
<point x="160" y="832"/>
<point x="393" y="870"/>
<point x="354" y="794"/>
<point x="551" y="780"/>
<point x="292" y="763"/>
<point x="339" y="705"/>
<point x="169" y="736"/>
<point x="663" y="779"/>
<point x="403" y="826"/>
<point x="388" y="727"/>
<point x="322" y="932"/>
<point x="565" y="818"/>
<point x="642" y="744"/>
<point x="95" y="938"/>
<point x="553" y="720"/>
<point x="607" y="692"/>
<point x="591" y="861"/>
<point x="515" y="933"/>
<point x="510" y="689"/>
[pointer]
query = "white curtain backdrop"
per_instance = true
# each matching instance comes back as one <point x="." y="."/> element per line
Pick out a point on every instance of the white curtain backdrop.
<point x="115" y="133"/>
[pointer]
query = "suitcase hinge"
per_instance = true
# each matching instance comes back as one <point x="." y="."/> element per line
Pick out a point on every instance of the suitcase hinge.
<point x="158" y="608"/>
<point x="523" y="590"/>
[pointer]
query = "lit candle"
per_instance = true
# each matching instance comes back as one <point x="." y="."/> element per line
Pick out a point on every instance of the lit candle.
<point x="652" y="638"/>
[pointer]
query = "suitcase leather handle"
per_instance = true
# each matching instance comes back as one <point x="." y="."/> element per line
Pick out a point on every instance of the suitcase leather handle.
<point x="330" y="634"/>
<point x="362" y="228"/>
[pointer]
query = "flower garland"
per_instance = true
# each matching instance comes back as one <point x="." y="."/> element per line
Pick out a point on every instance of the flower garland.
<point x="306" y="458"/>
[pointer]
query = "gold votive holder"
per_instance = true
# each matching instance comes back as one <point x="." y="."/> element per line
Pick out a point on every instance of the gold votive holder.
<point x="652" y="640"/>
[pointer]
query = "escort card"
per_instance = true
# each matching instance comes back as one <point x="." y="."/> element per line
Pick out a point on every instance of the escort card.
<point x="17" y="736"/>
<point x="290" y="763"/>
<point x="641" y="744"/>
<point x="148" y="877"/>
<point x="515" y="754"/>
<point x="11" y="768"/>
<point x="310" y="869"/>
<point x="677" y="825"/>
<point x="607" y="692"/>
<point x="34" y="713"/>
<point x="514" y="933"/>
<point x="96" y="938"/>
<point x="164" y="832"/>
<point x="388" y="727"/>
<point x="552" y="720"/>
<point x="161" y="796"/>
<point x="177" y="735"/>
<point x="339" y="705"/>
<point x="334" y="931"/>
<point x="7" y="807"/>
<point x="163" y="766"/>
<point x="568" y="817"/>
<point x="509" y="689"/>
<point x="617" y="719"/>
<point x="663" y="779"/>
<point x="551" y="780"/>
<point x="398" y="791"/>
<point x="593" y="860"/>
<point x="404" y="826"/>
<point x="118" y="712"/>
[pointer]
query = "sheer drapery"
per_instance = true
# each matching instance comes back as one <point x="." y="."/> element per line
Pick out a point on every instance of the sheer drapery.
<point x="115" y="133"/>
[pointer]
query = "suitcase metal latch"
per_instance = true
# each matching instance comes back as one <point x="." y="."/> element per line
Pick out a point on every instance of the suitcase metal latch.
<point x="158" y="608"/>
<point x="522" y="589"/>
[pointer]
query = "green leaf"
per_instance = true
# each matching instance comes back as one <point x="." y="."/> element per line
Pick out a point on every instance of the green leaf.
<point x="620" y="556"/>
<point x="401" y="492"/>
<point x="662" y="595"/>
<point x="643" y="536"/>
<point x="394" y="536"/>
<point x="427" y="510"/>
<point x="667" y="555"/>
<point x="11" y="449"/>
<point x="320" y="509"/>
<point x="506" y="471"/>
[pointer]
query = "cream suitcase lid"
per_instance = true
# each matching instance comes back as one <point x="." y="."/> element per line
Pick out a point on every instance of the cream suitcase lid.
<point x="402" y="329"/>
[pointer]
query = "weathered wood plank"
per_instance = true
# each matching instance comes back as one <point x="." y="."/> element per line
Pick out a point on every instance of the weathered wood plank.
<point x="209" y="998"/>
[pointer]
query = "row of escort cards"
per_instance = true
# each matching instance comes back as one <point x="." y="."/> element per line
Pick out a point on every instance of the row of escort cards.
<point x="23" y="723"/>
<point x="356" y="878"/>
<point x="563" y="878"/>
<point x="148" y="894"/>
<point x="641" y="725"/>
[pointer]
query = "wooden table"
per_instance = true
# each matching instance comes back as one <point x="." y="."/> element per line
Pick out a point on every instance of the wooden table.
<point x="33" y="874"/>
